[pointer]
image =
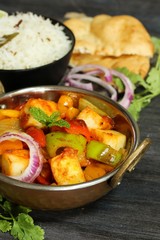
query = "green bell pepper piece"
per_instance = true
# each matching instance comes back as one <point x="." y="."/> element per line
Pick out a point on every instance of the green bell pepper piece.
<point x="83" y="103"/>
<point x="103" y="153"/>
<point x="56" y="140"/>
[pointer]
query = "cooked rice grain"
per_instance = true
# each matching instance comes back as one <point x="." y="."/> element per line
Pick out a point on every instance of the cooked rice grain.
<point x="38" y="42"/>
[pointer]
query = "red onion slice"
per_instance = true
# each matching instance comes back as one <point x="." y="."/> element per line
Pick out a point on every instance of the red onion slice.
<point x="129" y="90"/>
<point x="79" y="74"/>
<point x="36" y="158"/>
<point x="79" y="84"/>
<point x="84" y="76"/>
<point x="93" y="69"/>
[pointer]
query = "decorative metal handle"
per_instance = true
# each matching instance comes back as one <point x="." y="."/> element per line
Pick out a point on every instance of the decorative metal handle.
<point x="130" y="163"/>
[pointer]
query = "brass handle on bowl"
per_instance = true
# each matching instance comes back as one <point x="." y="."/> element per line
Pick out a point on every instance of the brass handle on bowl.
<point x="130" y="163"/>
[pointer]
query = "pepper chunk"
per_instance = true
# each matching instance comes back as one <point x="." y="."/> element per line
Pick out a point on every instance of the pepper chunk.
<point x="78" y="126"/>
<point x="57" y="140"/>
<point x="103" y="153"/>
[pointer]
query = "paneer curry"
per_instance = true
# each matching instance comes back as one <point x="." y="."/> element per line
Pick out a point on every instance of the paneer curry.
<point x="63" y="142"/>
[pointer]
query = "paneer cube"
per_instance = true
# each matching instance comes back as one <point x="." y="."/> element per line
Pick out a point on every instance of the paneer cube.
<point x="66" y="168"/>
<point x="46" y="106"/>
<point x="93" y="120"/>
<point x="14" y="162"/>
<point x="113" y="138"/>
<point x="9" y="124"/>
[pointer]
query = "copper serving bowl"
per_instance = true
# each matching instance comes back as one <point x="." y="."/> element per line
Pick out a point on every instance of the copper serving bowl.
<point x="71" y="196"/>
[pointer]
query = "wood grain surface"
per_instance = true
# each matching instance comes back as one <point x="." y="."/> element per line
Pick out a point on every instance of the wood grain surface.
<point x="132" y="210"/>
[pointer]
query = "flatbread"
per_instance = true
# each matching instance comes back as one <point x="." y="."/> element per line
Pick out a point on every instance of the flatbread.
<point x="122" y="35"/>
<point x="111" y="36"/>
<point x="135" y="63"/>
<point x="86" y="42"/>
<point x="111" y="41"/>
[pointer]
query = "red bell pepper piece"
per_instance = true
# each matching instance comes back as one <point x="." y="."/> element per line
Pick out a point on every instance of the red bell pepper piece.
<point x="78" y="126"/>
<point x="38" y="135"/>
<point x="45" y="177"/>
<point x="42" y="180"/>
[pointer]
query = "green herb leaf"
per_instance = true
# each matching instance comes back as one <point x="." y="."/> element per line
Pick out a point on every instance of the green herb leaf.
<point x="156" y="43"/>
<point x="5" y="226"/>
<point x="48" y="121"/>
<point x="52" y="120"/>
<point x="39" y="115"/>
<point x="153" y="80"/>
<point x="7" y="38"/>
<point x="15" y="220"/>
<point x="24" y="228"/>
<point x="7" y="206"/>
<point x="145" y="90"/>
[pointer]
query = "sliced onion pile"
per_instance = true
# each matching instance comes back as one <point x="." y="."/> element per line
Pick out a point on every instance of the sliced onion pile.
<point x="36" y="158"/>
<point x="90" y="73"/>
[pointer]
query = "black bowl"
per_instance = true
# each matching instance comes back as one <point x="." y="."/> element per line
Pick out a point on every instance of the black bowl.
<point x="49" y="74"/>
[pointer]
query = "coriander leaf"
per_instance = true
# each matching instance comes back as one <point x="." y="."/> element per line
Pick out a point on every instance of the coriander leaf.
<point x="5" y="226"/>
<point x="16" y="231"/>
<point x="7" y="206"/>
<point x="136" y="79"/>
<point x="156" y="43"/>
<point x="153" y="79"/>
<point x="22" y="209"/>
<point x="48" y="121"/>
<point x="145" y="90"/>
<point x="118" y="84"/>
<point x="24" y="228"/>
<point x="137" y="105"/>
<point x="15" y="220"/>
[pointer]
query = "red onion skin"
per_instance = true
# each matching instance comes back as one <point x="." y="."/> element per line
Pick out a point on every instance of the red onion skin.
<point x="78" y="84"/>
<point x="89" y="72"/>
<point x="80" y="76"/>
<point x="36" y="158"/>
<point x="129" y="91"/>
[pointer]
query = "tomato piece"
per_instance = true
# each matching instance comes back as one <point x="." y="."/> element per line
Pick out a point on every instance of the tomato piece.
<point x="42" y="180"/>
<point x="46" y="172"/>
<point x="38" y="135"/>
<point x="45" y="177"/>
<point x="57" y="129"/>
<point x="78" y="126"/>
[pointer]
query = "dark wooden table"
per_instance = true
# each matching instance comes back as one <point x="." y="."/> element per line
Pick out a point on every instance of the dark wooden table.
<point x="132" y="210"/>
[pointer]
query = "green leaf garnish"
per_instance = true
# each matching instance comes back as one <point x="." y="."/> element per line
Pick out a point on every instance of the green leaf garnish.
<point x="16" y="220"/>
<point x="48" y="121"/>
<point x="145" y="90"/>
<point x="7" y="38"/>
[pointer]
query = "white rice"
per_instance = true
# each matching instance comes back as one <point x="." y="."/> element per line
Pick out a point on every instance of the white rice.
<point x="38" y="42"/>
